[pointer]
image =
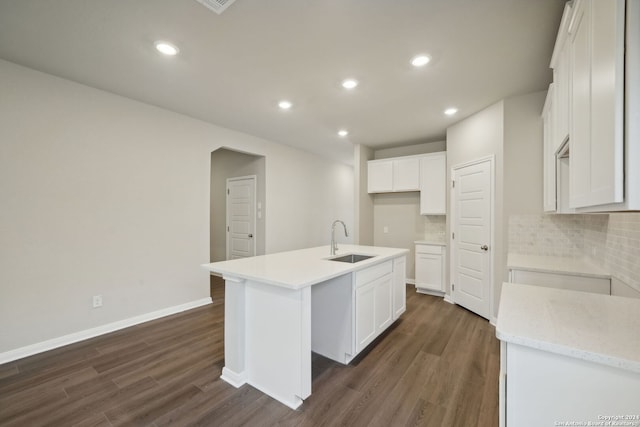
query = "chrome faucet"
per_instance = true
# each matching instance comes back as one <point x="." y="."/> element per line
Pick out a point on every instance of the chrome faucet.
<point x="334" y="244"/>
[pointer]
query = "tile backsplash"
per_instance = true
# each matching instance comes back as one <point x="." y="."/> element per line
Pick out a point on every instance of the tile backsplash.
<point x="433" y="227"/>
<point x="552" y="235"/>
<point x="610" y="240"/>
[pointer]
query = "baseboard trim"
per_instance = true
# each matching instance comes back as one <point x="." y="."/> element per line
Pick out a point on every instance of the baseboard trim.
<point x="448" y="299"/>
<point x="235" y="379"/>
<point x="43" y="346"/>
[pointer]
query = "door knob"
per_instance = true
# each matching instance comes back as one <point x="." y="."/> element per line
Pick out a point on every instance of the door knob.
<point x="251" y="236"/>
<point x="484" y="247"/>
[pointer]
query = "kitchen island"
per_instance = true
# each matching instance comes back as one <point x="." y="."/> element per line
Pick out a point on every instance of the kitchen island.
<point x="281" y="307"/>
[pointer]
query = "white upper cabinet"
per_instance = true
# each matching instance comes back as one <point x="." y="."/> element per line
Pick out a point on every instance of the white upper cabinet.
<point x="406" y="174"/>
<point x="396" y="174"/>
<point x="426" y="173"/>
<point x="380" y="176"/>
<point x="561" y="82"/>
<point x="549" y="151"/>
<point x="433" y="185"/>
<point x="597" y="103"/>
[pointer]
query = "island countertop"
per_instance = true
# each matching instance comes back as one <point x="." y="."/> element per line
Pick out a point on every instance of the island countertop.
<point x="301" y="268"/>
<point x="598" y="328"/>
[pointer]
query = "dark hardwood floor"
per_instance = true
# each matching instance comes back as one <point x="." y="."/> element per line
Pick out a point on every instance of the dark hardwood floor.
<point x="438" y="366"/>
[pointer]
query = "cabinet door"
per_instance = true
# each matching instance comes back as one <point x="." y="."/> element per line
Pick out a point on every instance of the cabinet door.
<point x="383" y="294"/>
<point x="365" y="316"/>
<point x="399" y="287"/>
<point x="429" y="272"/>
<point x="597" y="101"/>
<point x="406" y="174"/>
<point x="579" y="160"/>
<point x="561" y="99"/>
<point x="607" y="102"/>
<point x="549" y="157"/>
<point x="380" y="176"/>
<point x="433" y="186"/>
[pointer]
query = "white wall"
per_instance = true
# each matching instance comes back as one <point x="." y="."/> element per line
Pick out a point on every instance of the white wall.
<point x="105" y="195"/>
<point x="511" y="130"/>
<point x="400" y="212"/>
<point x="410" y="150"/>
<point x="478" y="136"/>
<point x="523" y="136"/>
<point x="363" y="229"/>
<point x="227" y="164"/>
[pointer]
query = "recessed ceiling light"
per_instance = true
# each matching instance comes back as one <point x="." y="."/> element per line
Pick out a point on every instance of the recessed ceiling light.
<point x="349" y="83"/>
<point x="285" y="105"/>
<point x="450" y="111"/>
<point x="166" y="48"/>
<point x="420" y="60"/>
<point x="343" y="132"/>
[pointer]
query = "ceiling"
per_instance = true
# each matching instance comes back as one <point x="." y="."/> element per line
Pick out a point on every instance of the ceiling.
<point x="234" y="68"/>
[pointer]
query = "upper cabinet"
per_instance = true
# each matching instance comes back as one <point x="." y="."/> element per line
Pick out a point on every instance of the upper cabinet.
<point x="560" y="62"/>
<point x="397" y="174"/>
<point x="426" y="173"/>
<point x="406" y="174"/>
<point x="597" y="103"/>
<point x="549" y="151"/>
<point x="380" y="176"/>
<point x="433" y="184"/>
<point x="594" y="104"/>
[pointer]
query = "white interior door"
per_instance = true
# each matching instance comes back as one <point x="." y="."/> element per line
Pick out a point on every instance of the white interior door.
<point x="241" y="217"/>
<point x="471" y="236"/>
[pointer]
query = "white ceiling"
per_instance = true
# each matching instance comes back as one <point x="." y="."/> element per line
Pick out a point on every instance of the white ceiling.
<point x="233" y="68"/>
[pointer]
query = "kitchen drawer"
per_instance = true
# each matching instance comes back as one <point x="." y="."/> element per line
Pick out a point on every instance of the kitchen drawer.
<point x="598" y="285"/>
<point x="372" y="273"/>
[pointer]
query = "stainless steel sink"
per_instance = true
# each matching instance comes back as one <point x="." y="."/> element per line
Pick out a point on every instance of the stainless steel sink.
<point x="351" y="258"/>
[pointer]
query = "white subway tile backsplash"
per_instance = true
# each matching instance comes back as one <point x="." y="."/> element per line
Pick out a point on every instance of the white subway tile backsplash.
<point x="611" y="240"/>
<point x="433" y="228"/>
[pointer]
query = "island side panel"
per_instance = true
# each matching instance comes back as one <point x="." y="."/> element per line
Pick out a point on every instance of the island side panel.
<point x="234" y="370"/>
<point x="331" y="318"/>
<point x="278" y="341"/>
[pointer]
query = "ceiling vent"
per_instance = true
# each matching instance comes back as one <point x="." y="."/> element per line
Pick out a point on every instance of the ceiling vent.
<point x="218" y="6"/>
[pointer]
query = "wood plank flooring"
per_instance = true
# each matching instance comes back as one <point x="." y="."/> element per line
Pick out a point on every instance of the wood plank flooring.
<point x="437" y="366"/>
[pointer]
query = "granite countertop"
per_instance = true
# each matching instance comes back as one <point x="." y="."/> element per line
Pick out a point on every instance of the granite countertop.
<point x="599" y="328"/>
<point x="553" y="264"/>
<point x="301" y="268"/>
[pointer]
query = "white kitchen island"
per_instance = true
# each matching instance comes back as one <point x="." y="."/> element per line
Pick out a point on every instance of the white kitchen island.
<point x="281" y="307"/>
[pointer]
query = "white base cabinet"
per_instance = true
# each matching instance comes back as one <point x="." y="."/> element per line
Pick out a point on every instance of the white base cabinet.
<point x="373" y="302"/>
<point x="540" y="388"/>
<point x="350" y="311"/>
<point x="430" y="265"/>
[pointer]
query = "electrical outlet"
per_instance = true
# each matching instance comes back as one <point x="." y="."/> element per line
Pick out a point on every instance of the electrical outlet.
<point x="97" y="301"/>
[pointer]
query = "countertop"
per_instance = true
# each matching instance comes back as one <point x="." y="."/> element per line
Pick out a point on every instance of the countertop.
<point x="598" y="328"/>
<point x="430" y="242"/>
<point x="301" y="268"/>
<point x="551" y="264"/>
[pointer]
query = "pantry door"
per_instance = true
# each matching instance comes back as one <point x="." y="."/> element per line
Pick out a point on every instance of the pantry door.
<point x="241" y="217"/>
<point x="471" y="236"/>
